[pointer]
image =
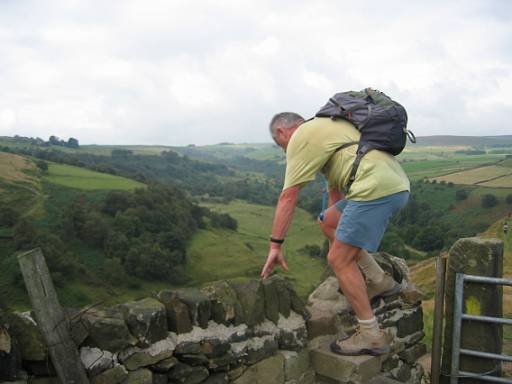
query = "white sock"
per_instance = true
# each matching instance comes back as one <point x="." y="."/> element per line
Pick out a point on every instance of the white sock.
<point x="370" y="267"/>
<point x="371" y="326"/>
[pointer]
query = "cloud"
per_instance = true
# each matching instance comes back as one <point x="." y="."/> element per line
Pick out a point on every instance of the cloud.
<point x="179" y="72"/>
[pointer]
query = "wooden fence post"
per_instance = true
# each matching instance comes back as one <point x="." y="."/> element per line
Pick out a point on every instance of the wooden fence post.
<point x="51" y="318"/>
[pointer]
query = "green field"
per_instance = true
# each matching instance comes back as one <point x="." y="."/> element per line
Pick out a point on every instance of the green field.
<point x="417" y="170"/>
<point x="214" y="255"/>
<point x="80" y="178"/>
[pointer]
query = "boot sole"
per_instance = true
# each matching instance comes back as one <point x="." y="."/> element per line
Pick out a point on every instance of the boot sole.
<point x="365" y="351"/>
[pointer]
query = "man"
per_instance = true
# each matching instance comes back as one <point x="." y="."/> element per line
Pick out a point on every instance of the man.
<point x="353" y="225"/>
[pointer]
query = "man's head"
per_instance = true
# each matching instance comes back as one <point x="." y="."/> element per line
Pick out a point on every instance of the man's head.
<point x="283" y="125"/>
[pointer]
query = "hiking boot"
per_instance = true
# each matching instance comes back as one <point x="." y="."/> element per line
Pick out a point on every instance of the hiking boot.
<point x="387" y="286"/>
<point x="362" y="343"/>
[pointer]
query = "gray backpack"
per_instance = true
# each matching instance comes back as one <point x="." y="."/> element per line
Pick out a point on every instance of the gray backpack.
<point x="381" y="121"/>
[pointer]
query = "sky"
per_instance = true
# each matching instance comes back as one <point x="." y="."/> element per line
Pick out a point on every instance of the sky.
<point x="203" y="72"/>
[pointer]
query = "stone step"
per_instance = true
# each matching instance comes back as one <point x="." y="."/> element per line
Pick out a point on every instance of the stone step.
<point x="333" y="368"/>
<point x="383" y="380"/>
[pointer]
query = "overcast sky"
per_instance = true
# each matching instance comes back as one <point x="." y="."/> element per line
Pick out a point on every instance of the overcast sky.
<point x="203" y="72"/>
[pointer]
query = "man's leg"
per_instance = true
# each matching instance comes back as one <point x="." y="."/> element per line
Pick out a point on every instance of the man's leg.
<point x="342" y="259"/>
<point x="379" y="283"/>
<point x="370" y="339"/>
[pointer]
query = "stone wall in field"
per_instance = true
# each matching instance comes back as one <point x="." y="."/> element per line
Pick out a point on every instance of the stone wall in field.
<point x="238" y="331"/>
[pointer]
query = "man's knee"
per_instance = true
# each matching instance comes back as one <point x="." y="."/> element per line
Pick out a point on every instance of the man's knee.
<point x="341" y="255"/>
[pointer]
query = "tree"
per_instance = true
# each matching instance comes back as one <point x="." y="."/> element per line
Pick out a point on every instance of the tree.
<point x="54" y="140"/>
<point x="121" y="153"/>
<point x="73" y="143"/>
<point x="42" y="165"/>
<point x="461" y="194"/>
<point x="94" y="229"/>
<point x="489" y="200"/>
<point x="8" y="216"/>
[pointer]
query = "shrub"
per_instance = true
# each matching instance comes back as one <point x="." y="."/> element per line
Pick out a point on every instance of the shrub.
<point x="489" y="200"/>
<point x="42" y="165"/>
<point x="508" y="199"/>
<point x="461" y="194"/>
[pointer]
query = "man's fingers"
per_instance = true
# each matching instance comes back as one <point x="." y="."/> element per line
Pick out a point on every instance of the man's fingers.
<point x="284" y="264"/>
<point x="267" y="268"/>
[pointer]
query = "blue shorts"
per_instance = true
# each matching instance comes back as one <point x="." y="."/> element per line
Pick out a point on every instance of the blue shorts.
<point x="363" y="223"/>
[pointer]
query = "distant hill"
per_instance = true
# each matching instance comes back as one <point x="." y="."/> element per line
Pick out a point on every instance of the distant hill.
<point x="450" y="140"/>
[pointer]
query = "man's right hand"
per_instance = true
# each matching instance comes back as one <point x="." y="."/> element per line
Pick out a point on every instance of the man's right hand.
<point x="275" y="257"/>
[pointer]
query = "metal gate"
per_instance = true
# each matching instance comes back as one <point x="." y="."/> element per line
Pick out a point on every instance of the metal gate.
<point x="459" y="316"/>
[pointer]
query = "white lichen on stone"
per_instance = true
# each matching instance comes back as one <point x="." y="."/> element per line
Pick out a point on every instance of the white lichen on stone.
<point x="213" y="331"/>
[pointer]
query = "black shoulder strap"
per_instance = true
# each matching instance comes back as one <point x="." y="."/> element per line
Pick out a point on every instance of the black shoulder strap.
<point x="362" y="150"/>
<point x="346" y="145"/>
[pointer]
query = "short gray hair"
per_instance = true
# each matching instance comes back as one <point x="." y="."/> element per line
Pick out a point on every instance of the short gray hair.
<point x="284" y="120"/>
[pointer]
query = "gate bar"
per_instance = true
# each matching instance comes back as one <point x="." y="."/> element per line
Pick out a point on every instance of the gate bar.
<point x="486" y="355"/>
<point x="487" y="319"/>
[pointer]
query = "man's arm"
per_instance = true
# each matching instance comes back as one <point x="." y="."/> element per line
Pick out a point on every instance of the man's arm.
<point x="282" y="220"/>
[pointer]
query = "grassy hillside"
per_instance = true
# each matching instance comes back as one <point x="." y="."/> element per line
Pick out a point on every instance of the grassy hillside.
<point x="224" y="254"/>
<point x="80" y="178"/>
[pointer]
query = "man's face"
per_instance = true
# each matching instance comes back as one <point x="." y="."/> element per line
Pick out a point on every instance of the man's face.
<point x="281" y="138"/>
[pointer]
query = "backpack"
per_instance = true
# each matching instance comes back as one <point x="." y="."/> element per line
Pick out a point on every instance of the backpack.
<point x="381" y="121"/>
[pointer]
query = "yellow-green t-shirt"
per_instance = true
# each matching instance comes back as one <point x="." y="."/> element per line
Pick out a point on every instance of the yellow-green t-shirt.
<point x="312" y="149"/>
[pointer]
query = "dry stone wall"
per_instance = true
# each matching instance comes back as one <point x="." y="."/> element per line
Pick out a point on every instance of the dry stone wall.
<point x="239" y="331"/>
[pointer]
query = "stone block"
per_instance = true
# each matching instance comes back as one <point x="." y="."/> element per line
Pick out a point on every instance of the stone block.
<point x="25" y="331"/>
<point x="133" y="358"/>
<point x="183" y="373"/>
<point x="401" y="373"/>
<point x="95" y="360"/>
<point x="107" y="330"/>
<point x="188" y="347"/>
<point x="383" y="380"/>
<point x="225" y="307"/>
<point x="10" y="357"/>
<point x="321" y="323"/>
<point x="159" y="378"/>
<point x="295" y="364"/>
<point x="252" y="298"/>
<point x="194" y="359"/>
<point x="410" y="322"/>
<point x="146" y="319"/>
<point x="45" y="380"/>
<point x="270" y="370"/>
<point x="254" y="349"/>
<point x="412" y="354"/>
<point x="357" y="369"/>
<point x="178" y="316"/>
<point x="235" y="373"/>
<point x="271" y="299"/>
<point x="214" y="347"/>
<point x="198" y="304"/>
<point x="140" y="376"/>
<point x="165" y="365"/>
<point x="217" y="378"/>
<point x="221" y="363"/>
<point x="114" y="375"/>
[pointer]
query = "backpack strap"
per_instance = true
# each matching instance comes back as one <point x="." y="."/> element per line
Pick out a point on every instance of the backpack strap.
<point x="362" y="150"/>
